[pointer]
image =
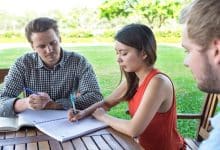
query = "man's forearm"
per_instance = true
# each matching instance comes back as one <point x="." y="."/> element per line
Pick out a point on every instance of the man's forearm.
<point x="20" y="105"/>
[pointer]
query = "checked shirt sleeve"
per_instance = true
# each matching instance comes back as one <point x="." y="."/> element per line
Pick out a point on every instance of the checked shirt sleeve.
<point x="88" y="86"/>
<point x="11" y="89"/>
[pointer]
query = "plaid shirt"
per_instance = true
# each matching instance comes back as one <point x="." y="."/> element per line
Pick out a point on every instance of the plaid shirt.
<point x="72" y="74"/>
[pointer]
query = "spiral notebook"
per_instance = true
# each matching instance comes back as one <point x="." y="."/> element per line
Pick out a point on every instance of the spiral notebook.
<point x="55" y="124"/>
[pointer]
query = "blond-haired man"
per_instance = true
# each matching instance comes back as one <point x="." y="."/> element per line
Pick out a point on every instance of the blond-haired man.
<point x="201" y="39"/>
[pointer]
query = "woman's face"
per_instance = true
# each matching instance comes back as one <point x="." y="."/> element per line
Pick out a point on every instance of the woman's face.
<point x="129" y="59"/>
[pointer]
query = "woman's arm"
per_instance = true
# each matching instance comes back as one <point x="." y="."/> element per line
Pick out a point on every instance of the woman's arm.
<point x="157" y="97"/>
<point x="113" y="99"/>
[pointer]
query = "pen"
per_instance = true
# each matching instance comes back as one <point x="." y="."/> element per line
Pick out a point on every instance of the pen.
<point x="28" y="90"/>
<point x="72" y="99"/>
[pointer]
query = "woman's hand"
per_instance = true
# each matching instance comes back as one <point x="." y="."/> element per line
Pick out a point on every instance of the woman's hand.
<point x="75" y="116"/>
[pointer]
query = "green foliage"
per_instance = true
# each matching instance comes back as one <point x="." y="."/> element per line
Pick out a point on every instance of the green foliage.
<point x="85" y="36"/>
<point x="11" y="34"/>
<point x="79" y="34"/>
<point x="113" y="8"/>
<point x="168" y="36"/>
<point x="156" y="12"/>
<point x="109" y="33"/>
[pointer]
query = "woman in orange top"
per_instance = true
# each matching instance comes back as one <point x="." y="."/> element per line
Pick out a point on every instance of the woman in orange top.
<point x="150" y="94"/>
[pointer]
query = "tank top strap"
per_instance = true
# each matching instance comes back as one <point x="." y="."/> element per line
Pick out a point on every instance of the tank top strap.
<point x="152" y="73"/>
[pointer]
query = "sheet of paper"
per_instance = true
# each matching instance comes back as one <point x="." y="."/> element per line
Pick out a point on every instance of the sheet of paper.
<point x="37" y="116"/>
<point x="63" y="129"/>
<point x="55" y="124"/>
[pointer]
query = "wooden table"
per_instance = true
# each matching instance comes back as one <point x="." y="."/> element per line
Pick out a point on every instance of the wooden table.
<point x="33" y="139"/>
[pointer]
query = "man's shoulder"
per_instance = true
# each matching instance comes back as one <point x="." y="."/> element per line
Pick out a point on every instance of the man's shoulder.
<point x="215" y="121"/>
<point x="70" y="55"/>
<point x="213" y="141"/>
<point x="27" y="59"/>
<point x="28" y="56"/>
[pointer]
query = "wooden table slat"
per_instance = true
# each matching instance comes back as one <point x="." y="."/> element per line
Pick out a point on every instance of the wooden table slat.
<point x="67" y="145"/>
<point x="101" y="143"/>
<point x="2" y="135"/>
<point x="54" y="145"/>
<point x="32" y="146"/>
<point x="20" y="147"/>
<point x="122" y="140"/>
<point x="20" y="133"/>
<point x="90" y="143"/>
<point x="20" y="140"/>
<point x="33" y="139"/>
<point x="78" y="144"/>
<point x="11" y="147"/>
<point x="44" y="145"/>
<point x="31" y="132"/>
<point x="10" y="135"/>
<point x="39" y="132"/>
<point x="112" y="142"/>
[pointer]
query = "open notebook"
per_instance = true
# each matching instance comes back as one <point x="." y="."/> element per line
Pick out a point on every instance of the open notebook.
<point x="13" y="124"/>
<point x="55" y="124"/>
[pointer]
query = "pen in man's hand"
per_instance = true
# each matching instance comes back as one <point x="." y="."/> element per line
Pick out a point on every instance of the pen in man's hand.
<point x="29" y="91"/>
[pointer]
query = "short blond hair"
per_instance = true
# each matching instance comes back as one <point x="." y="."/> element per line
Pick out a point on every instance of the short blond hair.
<point x="202" y="18"/>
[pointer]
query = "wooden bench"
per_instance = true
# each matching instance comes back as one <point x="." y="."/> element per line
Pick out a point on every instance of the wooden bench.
<point x="204" y="126"/>
<point x="3" y="73"/>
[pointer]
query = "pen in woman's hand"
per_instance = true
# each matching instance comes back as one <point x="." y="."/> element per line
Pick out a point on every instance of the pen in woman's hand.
<point x="72" y="99"/>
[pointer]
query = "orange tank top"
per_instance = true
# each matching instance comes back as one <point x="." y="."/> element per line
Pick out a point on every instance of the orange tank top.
<point x="161" y="133"/>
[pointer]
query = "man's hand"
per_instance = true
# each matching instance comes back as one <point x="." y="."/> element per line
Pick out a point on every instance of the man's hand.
<point x="37" y="101"/>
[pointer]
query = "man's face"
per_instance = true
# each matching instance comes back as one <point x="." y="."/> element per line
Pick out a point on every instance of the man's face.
<point x="47" y="45"/>
<point x="201" y="62"/>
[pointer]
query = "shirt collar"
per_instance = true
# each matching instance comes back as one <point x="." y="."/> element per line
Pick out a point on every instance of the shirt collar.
<point x="40" y="63"/>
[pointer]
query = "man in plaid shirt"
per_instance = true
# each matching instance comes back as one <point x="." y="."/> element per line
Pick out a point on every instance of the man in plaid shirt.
<point x="51" y="72"/>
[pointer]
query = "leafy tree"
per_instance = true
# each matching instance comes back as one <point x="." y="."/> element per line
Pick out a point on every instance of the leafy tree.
<point x="156" y="12"/>
<point x="113" y="8"/>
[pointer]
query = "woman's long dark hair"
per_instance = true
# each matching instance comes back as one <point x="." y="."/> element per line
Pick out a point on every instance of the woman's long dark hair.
<point x="140" y="37"/>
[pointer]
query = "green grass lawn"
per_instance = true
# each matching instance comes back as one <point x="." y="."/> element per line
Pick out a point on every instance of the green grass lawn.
<point x="103" y="59"/>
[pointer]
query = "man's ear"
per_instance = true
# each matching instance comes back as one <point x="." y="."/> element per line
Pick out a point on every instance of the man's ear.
<point x="32" y="46"/>
<point x="217" y="51"/>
